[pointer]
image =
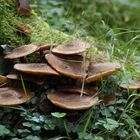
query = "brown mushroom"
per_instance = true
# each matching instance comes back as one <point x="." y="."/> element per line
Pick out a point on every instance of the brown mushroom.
<point x="42" y="46"/>
<point x="101" y="70"/>
<point x="72" y="101"/>
<point x="21" y="51"/>
<point x="72" y="47"/>
<point x="13" y="96"/>
<point x="73" y="68"/>
<point x="87" y="90"/>
<point x="134" y="85"/>
<point x="3" y="79"/>
<point x="36" y="68"/>
<point x="28" y="77"/>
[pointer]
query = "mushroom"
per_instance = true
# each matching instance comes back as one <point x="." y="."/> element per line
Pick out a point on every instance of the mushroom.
<point x="17" y="76"/>
<point x="21" y="51"/>
<point x="101" y="70"/>
<point x="72" y="47"/>
<point x="36" y="68"/>
<point x="87" y="90"/>
<point x="73" y="68"/>
<point x="134" y="85"/>
<point x="13" y="96"/>
<point x="72" y="101"/>
<point x="3" y="79"/>
<point x="42" y="46"/>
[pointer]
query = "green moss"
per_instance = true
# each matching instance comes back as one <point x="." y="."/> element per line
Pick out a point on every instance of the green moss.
<point x="41" y="31"/>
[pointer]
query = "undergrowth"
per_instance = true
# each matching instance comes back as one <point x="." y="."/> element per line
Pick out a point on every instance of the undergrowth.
<point x="114" y="25"/>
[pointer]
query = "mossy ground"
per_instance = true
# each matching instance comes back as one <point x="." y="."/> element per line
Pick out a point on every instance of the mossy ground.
<point x="41" y="31"/>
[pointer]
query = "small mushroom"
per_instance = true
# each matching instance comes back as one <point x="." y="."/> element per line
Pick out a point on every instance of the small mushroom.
<point x="3" y="79"/>
<point x="72" y="47"/>
<point x="21" y="51"/>
<point x="101" y="70"/>
<point x="72" y="101"/>
<point x="36" y="68"/>
<point x="134" y="85"/>
<point x="13" y="96"/>
<point x="73" y="68"/>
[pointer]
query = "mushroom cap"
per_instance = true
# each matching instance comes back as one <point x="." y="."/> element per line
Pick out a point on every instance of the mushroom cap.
<point x="87" y="91"/>
<point x="43" y="46"/>
<point x="13" y="96"/>
<point x="73" y="68"/>
<point x="101" y="70"/>
<point x="3" y="79"/>
<point x="35" y="79"/>
<point x="21" y="51"/>
<point x="72" y="101"/>
<point x="72" y="47"/>
<point x="134" y="85"/>
<point x="36" y="68"/>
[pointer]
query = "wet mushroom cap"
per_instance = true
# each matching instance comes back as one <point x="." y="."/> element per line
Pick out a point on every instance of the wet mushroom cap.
<point x="101" y="70"/>
<point x="72" y="47"/>
<point x="13" y="96"/>
<point x="3" y="79"/>
<point x="36" y="68"/>
<point x="134" y="85"/>
<point x="70" y="68"/>
<point x="21" y="51"/>
<point x="72" y="101"/>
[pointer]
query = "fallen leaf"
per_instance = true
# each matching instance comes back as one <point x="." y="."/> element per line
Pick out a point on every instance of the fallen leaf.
<point x="23" y="28"/>
<point x="24" y="8"/>
<point x="108" y="99"/>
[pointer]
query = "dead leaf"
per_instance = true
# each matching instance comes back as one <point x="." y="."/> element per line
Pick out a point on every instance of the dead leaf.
<point x="23" y="28"/>
<point x="24" y="8"/>
<point x="108" y="99"/>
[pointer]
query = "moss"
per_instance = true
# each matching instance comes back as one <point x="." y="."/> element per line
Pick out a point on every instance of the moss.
<point x="41" y="31"/>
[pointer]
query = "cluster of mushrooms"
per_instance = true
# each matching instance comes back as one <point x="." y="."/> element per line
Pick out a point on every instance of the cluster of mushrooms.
<point x="65" y="60"/>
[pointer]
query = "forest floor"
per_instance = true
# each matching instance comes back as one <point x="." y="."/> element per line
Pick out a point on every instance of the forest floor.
<point x="115" y="28"/>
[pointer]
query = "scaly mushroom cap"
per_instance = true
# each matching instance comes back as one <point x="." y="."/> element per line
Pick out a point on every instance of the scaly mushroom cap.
<point x="73" y="47"/>
<point x="36" y="68"/>
<point x="13" y="96"/>
<point x="72" y="101"/>
<point x="134" y="85"/>
<point x="21" y="51"/>
<point x="3" y="79"/>
<point x="101" y="70"/>
<point x="70" y="68"/>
